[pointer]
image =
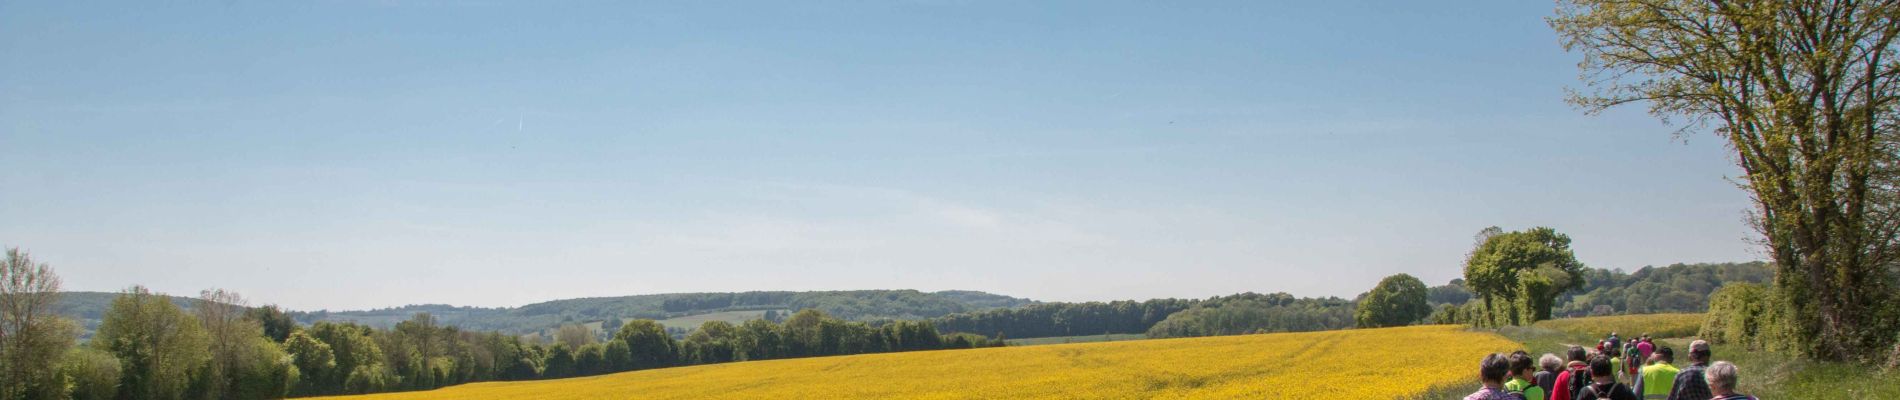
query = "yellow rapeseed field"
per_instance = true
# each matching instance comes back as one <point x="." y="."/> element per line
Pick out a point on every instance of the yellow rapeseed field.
<point x="1351" y="364"/>
<point x="1628" y="326"/>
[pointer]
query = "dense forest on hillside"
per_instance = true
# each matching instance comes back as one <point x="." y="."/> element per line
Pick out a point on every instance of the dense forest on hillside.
<point x="857" y="305"/>
<point x="842" y="304"/>
<point x="151" y="347"/>
<point x="1239" y="313"/>
<point x="88" y="308"/>
<point x="1670" y="289"/>
<point x="1667" y="289"/>
<point x="854" y="305"/>
<point x="1065" y="319"/>
<point x="1256" y="313"/>
<point x="1675" y="288"/>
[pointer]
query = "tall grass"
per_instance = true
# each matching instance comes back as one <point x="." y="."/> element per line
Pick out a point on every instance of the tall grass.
<point x="1629" y="326"/>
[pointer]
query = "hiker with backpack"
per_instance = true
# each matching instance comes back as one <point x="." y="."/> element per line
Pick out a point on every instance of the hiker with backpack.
<point x="1722" y="378"/>
<point x="1522" y="381"/>
<point x="1655" y="380"/>
<point x="1633" y="360"/>
<point x="1491" y="373"/>
<point x="1691" y="384"/>
<point x="1604" y="385"/>
<point x="1646" y="348"/>
<point x="1615" y="354"/>
<point x="1576" y="375"/>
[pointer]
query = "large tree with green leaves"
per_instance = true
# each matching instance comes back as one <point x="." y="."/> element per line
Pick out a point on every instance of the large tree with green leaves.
<point x="157" y="344"/>
<point x="1805" y="93"/>
<point x="32" y="336"/>
<point x="649" y="346"/>
<point x="359" y="359"/>
<point x="1398" y="300"/>
<point x="229" y="335"/>
<point x="560" y="362"/>
<point x="415" y="349"/>
<point x="314" y="359"/>
<point x="711" y="343"/>
<point x="277" y="325"/>
<point x="1519" y="274"/>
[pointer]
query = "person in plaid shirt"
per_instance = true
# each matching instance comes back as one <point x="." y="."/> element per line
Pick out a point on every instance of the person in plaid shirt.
<point x="1690" y="384"/>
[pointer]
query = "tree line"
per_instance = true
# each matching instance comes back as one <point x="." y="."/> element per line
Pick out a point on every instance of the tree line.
<point x="1678" y="288"/>
<point x="851" y="305"/>
<point x="148" y="347"/>
<point x="1675" y="288"/>
<point x="1256" y="313"/>
<point x="1159" y="318"/>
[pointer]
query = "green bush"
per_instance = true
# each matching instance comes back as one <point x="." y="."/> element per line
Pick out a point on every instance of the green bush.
<point x="1735" y="314"/>
<point x="1748" y="315"/>
<point x="367" y="379"/>
<point x="92" y="373"/>
<point x="1467" y="314"/>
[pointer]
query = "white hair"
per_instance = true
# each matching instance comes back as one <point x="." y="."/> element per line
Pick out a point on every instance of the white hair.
<point x="1722" y="374"/>
<point x="1550" y="362"/>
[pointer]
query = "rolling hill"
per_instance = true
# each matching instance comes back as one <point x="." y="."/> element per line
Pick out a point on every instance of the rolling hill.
<point x="857" y="305"/>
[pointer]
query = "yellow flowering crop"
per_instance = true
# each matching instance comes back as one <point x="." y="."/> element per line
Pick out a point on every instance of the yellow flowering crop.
<point x="1349" y="364"/>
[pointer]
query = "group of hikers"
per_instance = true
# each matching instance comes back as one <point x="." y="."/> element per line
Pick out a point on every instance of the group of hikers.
<point x="1600" y="374"/>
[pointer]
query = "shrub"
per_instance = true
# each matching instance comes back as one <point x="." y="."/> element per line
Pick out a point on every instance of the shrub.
<point x="1749" y="315"/>
<point x="92" y="373"/>
<point x="1736" y="312"/>
<point x="367" y="379"/>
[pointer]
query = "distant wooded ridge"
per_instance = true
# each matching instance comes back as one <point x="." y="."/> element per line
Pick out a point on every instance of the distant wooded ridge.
<point x="853" y="305"/>
<point x="1672" y="288"/>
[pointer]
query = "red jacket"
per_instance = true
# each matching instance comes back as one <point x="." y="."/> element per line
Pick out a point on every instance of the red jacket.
<point x="1560" y="390"/>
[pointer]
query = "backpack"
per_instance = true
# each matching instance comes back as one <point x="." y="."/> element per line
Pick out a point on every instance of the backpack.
<point x="1605" y="392"/>
<point x="1632" y="359"/>
<point x="1508" y="395"/>
<point x="1516" y="395"/>
<point x="1579" y="379"/>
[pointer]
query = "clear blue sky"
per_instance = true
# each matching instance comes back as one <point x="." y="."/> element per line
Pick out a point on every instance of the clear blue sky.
<point x="345" y="155"/>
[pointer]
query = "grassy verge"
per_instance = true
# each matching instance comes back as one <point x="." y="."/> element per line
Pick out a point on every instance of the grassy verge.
<point x="1764" y="374"/>
<point x="1628" y="326"/>
<point x="1771" y="375"/>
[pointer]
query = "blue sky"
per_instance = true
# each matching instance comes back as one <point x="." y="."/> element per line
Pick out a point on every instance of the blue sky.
<point x="348" y="155"/>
